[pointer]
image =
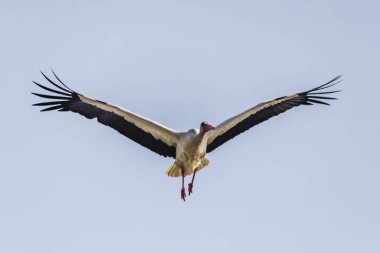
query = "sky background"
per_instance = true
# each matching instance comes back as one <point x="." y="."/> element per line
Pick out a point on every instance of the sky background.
<point x="305" y="181"/>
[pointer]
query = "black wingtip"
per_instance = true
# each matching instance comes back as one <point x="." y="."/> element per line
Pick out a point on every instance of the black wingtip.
<point x="57" y="98"/>
<point x="56" y="85"/>
<point x="51" y="108"/>
<point x="50" y="96"/>
<point x="59" y="80"/>
<point x="330" y="83"/>
<point x="316" y="95"/>
<point x="51" y="90"/>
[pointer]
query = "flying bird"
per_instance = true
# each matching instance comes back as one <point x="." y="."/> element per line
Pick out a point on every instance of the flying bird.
<point x="189" y="148"/>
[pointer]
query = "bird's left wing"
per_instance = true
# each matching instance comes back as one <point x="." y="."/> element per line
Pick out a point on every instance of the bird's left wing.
<point x="255" y="115"/>
<point x="147" y="133"/>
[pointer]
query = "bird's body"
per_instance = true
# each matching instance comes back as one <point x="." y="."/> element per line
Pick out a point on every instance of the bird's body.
<point x="190" y="154"/>
<point x="188" y="148"/>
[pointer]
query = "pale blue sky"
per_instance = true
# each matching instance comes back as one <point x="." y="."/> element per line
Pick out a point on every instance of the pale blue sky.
<point x="306" y="181"/>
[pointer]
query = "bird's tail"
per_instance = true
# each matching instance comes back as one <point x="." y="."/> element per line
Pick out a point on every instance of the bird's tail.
<point x="175" y="169"/>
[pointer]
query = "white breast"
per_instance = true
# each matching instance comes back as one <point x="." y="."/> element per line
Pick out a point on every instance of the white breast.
<point x="189" y="149"/>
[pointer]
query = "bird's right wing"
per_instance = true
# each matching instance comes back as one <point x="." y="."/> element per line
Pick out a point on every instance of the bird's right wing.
<point x="261" y="112"/>
<point x="147" y="133"/>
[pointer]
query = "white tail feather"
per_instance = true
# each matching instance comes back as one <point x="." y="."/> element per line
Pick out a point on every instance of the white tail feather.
<point x="175" y="170"/>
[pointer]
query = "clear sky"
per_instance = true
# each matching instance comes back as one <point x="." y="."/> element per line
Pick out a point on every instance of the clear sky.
<point x="305" y="181"/>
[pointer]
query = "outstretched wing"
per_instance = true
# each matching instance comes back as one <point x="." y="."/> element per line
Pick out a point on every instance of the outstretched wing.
<point x="242" y="122"/>
<point x="147" y="133"/>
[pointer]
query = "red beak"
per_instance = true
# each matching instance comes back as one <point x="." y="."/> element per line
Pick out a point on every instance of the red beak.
<point x="207" y="127"/>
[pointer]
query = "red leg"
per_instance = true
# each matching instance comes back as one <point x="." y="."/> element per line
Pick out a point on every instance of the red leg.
<point x="192" y="183"/>
<point x="183" y="191"/>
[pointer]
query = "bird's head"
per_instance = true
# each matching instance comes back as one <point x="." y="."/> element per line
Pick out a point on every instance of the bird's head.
<point x="205" y="127"/>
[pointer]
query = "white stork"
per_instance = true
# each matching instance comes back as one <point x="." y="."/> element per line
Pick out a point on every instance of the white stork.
<point x="187" y="148"/>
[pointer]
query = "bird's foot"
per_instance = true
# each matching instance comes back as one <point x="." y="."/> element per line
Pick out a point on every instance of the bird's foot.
<point x="190" y="188"/>
<point x="183" y="194"/>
